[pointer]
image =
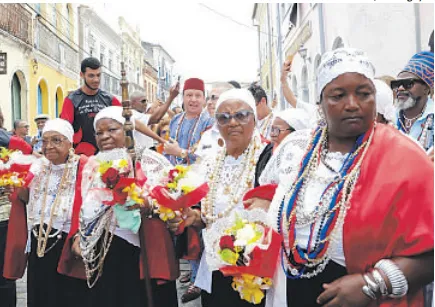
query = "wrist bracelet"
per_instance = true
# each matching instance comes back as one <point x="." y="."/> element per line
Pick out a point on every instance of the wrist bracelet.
<point x="381" y="282"/>
<point x="399" y="284"/>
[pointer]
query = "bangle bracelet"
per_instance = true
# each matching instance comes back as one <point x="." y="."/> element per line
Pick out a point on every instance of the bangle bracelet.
<point x="371" y="288"/>
<point x="399" y="284"/>
<point x="381" y="282"/>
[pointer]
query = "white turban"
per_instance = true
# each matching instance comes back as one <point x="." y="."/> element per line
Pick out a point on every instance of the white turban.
<point x="112" y="112"/>
<point x="298" y="119"/>
<point x="59" y="125"/>
<point x="340" y="61"/>
<point x="238" y="94"/>
<point x="384" y="100"/>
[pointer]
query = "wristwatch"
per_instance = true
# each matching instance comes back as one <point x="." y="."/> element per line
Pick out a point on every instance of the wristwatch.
<point x="183" y="154"/>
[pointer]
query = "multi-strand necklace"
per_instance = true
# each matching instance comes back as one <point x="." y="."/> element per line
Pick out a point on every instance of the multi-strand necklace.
<point x="242" y="182"/>
<point x="62" y="201"/>
<point x="190" y="135"/>
<point x="329" y="213"/>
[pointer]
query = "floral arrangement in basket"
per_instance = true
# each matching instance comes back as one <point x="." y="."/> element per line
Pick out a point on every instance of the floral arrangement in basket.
<point x="244" y="247"/>
<point x="181" y="188"/>
<point x="124" y="191"/>
<point x="14" y="168"/>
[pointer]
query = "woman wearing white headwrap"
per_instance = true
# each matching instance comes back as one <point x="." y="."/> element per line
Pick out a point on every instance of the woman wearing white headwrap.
<point x="345" y="198"/>
<point x="108" y="238"/>
<point x="229" y="174"/>
<point x="284" y="123"/>
<point x="51" y="198"/>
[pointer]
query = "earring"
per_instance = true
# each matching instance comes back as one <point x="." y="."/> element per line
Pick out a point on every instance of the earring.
<point x="71" y="152"/>
<point x="322" y="120"/>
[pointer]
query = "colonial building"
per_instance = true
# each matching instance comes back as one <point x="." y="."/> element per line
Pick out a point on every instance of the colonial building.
<point x="15" y="51"/>
<point x="98" y="39"/>
<point x="132" y="54"/>
<point x="54" y="64"/>
<point x="389" y="33"/>
<point x="150" y="72"/>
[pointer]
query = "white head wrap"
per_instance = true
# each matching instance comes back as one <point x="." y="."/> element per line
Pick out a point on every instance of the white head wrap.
<point x="384" y="100"/>
<point x="238" y="94"/>
<point x="298" y="119"/>
<point x="61" y="126"/>
<point x="340" y="61"/>
<point x="112" y="112"/>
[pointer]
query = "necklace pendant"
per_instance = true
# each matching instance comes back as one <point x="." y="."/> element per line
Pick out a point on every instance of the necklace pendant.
<point x="227" y="190"/>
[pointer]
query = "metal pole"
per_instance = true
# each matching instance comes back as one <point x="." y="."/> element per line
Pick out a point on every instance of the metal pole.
<point x="417" y="27"/>
<point x="129" y="143"/>
<point x="321" y="28"/>
<point x="279" y="46"/>
<point x="269" y="39"/>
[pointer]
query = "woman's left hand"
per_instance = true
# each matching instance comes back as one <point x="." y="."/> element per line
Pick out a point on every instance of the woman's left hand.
<point x="257" y="203"/>
<point x="345" y="292"/>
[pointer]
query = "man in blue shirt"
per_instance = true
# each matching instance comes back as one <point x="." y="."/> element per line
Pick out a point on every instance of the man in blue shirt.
<point x="413" y="88"/>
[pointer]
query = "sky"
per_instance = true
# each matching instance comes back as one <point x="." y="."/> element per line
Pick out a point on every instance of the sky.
<point x="203" y="43"/>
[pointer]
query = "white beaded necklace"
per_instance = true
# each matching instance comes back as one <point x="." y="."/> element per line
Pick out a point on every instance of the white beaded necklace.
<point x="245" y="178"/>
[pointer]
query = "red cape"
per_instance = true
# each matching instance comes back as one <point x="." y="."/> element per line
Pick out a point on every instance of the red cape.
<point x="15" y="256"/>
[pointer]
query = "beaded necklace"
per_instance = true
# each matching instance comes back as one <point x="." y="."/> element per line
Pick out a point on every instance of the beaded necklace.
<point x="244" y="182"/>
<point x="329" y="213"/>
<point x="191" y="133"/>
<point x="64" y="188"/>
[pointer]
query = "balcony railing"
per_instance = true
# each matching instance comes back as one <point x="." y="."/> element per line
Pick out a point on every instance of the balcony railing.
<point x="17" y="21"/>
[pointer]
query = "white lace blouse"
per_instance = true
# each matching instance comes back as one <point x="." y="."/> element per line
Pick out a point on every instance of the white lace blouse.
<point x="45" y="188"/>
<point x="230" y="176"/>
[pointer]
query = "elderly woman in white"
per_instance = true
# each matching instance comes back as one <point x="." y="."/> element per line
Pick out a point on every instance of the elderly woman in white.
<point x="229" y="174"/>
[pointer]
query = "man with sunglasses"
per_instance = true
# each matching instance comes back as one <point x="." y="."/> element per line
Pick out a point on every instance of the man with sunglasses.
<point x="413" y="88"/>
<point x="264" y="113"/>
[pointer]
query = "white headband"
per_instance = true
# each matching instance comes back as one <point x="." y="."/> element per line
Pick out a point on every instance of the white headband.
<point x="61" y="126"/>
<point x="340" y="61"/>
<point x="298" y="119"/>
<point x="384" y="100"/>
<point x="112" y="112"/>
<point x="238" y="94"/>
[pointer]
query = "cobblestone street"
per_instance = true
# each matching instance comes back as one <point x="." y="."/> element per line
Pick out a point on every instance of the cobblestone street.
<point x="22" y="292"/>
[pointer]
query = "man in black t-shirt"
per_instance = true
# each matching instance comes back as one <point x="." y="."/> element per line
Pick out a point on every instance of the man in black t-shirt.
<point x="81" y="106"/>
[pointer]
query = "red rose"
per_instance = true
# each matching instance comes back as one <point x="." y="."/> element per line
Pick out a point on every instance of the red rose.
<point x="226" y="242"/>
<point x="172" y="174"/>
<point x="110" y="177"/>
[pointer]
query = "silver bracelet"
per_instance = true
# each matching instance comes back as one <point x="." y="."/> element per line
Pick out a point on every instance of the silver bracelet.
<point x="381" y="282"/>
<point x="371" y="288"/>
<point x="399" y="284"/>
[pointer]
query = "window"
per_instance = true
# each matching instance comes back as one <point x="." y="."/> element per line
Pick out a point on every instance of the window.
<point x="67" y="21"/>
<point x="54" y="15"/>
<point x="39" y="106"/>
<point x="110" y="60"/>
<point x="294" y="15"/>
<point x="102" y="55"/>
<point x="16" y="98"/>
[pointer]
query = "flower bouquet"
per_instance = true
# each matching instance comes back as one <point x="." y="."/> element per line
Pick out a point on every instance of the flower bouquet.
<point x="123" y="191"/>
<point x="244" y="247"/>
<point x="14" y="168"/>
<point x="181" y="188"/>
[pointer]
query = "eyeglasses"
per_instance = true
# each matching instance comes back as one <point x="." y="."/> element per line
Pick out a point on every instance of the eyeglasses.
<point x="242" y="117"/>
<point x="407" y="84"/>
<point x="55" y="141"/>
<point x="276" y="131"/>
<point x="144" y="101"/>
<point x="214" y="97"/>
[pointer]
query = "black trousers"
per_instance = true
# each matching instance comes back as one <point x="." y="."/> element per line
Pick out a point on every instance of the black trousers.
<point x="304" y="292"/>
<point x="46" y="287"/>
<point x="120" y="284"/>
<point x="223" y="295"/>
<point x="8" y="290"/>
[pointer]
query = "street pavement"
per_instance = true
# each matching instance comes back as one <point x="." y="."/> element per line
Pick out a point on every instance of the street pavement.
<point x="181" y="288"/>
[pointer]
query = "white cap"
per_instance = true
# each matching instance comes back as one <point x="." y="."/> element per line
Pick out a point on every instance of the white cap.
<point x="112" y="112"/>
<point x="384" y="100"/>
<point x="298" y="119"/>
<point x="59" y="125"/>
<point x="238" y="94"/>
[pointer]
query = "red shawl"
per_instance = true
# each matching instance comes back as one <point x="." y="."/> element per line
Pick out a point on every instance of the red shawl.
<point x="15" y="256"/>
<point x="391" y="209"/>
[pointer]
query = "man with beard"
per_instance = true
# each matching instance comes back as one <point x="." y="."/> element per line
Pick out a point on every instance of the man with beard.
<point x="81" y="106"/>
<point x="414" y="86"/>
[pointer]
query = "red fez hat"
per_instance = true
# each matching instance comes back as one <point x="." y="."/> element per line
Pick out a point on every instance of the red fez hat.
<point x="194" y="84"/>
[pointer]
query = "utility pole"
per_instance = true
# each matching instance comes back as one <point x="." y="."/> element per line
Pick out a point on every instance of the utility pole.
<point x="279" y="49"/>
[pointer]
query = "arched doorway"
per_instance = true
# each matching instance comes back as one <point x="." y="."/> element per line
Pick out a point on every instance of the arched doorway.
<point x="42" y="101"/>
<point x="16" y="98"/>
<point x="304" y="85"/>
<point x="59" y="101"/>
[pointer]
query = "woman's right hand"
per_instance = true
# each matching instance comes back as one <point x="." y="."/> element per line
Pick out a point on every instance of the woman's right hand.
<point x="188" y="216"/>
<point x="286" y="69"/>
<point x="257" y="203"/>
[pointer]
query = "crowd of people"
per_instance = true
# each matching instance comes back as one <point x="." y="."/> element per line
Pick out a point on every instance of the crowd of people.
<point x="346" y="180"/>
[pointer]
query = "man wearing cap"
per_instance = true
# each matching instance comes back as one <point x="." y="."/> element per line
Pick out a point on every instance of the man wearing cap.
<point x="81" y="106"/>
<point x="40" y="121"/>
<point x="414" y="85"/>
<point x="186" y="128"/>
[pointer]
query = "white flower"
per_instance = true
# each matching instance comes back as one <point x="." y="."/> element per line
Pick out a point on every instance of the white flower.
<point x="244" y="235"/>
<point x="191" y="180"/>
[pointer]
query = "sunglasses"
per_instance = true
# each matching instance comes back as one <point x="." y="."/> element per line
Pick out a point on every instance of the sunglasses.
<point x="276" y="131"/>
<point x="55" y="141"/>
<point x="242" y="117"/>
<point x="407" y="84"/>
